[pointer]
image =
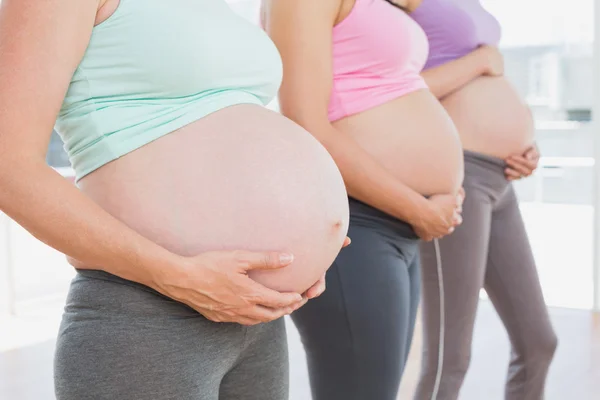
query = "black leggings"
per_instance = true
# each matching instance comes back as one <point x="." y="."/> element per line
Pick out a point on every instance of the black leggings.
<point x="357" y="335"/>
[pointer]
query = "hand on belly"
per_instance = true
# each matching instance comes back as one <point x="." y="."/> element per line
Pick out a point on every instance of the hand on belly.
<point x="441" y="216"/>
<point x="522" y="165"/>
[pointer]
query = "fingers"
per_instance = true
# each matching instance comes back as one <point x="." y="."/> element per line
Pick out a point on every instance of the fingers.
<point x="459" y="201"/>
<point x="317" y="289"/>
<point x="222" y="317"/>
<point x="252" y="315"/>
<point x="518" y="169"/>
<point x="270" y="298"/>
<point x="530" y="163"/>
<point x="457" y="220"/>
<point x="462" y="194"/>
<point x="265" y="314"/>
<point x="511" y="174"/>
<point x="532" y="153"/>
<point x="240" y="320"/>
<point x="522" y="165"/>
<point x="249" y="260"/>
<point x="347" y="242"/>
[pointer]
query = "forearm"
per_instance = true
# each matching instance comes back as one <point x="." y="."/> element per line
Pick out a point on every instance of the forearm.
<point x="366" y="180"/>
<point x="451" y="76"/>
<point x="58" y="214"/>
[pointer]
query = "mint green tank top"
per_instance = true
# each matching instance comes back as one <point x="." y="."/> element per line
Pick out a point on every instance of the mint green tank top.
<point x="155" y="66"/>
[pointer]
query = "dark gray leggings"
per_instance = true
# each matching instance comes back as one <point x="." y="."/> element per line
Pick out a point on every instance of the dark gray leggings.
<point x="123" y="341"/>
<point x="489" y="250"/>
<point x="357" y="335"/>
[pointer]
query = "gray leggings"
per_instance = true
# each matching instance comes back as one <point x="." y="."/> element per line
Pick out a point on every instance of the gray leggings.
<point x="489" y="250"/>
<point x="357" y="335"/>
<point x="123" y="341"/>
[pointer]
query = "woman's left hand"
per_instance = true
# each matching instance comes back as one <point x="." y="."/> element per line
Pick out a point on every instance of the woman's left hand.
<point x="318" y="288"/>
<point x="522" y="166"/>
<point x="315" y="290"/>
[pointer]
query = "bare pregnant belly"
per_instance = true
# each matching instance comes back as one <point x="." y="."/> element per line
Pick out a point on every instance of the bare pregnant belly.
<point x="491" y="118"/>
<point x="241" y="178"/>
<point x="414" y="139"/>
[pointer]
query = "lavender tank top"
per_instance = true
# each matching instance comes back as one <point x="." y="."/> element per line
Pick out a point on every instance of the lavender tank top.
<point x="455" y="28"/>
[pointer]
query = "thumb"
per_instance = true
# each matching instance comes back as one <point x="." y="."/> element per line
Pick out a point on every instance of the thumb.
<point x="266" y="260"/>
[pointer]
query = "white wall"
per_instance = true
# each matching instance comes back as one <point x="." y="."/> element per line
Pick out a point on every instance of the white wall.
<point x="39" y="271"/>
<point x="5" y="275"/>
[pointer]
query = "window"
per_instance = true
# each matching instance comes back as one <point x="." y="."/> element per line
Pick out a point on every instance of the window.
<point x="548" y="50"/>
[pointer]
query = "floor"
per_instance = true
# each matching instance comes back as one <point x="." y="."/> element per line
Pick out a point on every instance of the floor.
<point x="26" y="368"/>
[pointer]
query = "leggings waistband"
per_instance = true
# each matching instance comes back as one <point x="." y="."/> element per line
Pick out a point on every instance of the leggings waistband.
<point x="485" y="171"/>
<point x="484" y="161"/>
<point x="364" y="215"/>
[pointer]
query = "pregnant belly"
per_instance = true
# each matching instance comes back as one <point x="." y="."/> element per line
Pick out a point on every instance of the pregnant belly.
<point x="491" y="118"/>
<point x="414" y="139"/>
<point x="241" y="178"/>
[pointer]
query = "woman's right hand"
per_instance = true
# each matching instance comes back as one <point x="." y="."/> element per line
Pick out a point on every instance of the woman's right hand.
<point x="217" y="285"/>
<point x="441" y="215"/>
<point x="492" y="60"/>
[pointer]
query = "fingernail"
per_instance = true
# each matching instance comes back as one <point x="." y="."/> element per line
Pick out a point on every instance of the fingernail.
<point x="286" y="258"/>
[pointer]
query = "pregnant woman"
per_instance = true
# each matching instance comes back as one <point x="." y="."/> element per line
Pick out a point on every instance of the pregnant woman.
<point x="183" y="174"/>
<point x="351" y="78"/>
<point x="491" y="249"/>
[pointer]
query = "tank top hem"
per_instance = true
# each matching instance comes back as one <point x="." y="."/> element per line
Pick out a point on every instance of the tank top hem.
<point x="93" y="157"/>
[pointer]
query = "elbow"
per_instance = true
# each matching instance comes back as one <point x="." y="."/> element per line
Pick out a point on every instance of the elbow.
<point x="437" y="91"/>
<point x="435" y="88"/>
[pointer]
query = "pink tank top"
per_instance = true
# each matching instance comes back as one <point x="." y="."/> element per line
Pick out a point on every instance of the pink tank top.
<point x="378" y="54"/>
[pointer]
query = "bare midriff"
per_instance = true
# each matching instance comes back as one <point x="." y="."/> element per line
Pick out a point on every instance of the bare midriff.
<point x="241" y="178"/>
<point x="414" y="139"/>
<point x="491" y="118"/>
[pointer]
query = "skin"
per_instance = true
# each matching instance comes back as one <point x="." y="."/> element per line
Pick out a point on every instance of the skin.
<point x="54" y="34"/>
<point x="522" y="166"/>
<point x="485" y="66"/>
<point x="302" y="31"/>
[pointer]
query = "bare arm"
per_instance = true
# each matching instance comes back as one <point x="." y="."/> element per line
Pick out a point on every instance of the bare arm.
<point x="451" y="76"/>
<point x="302" y="31"/>
<point x="41" y="44"/>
